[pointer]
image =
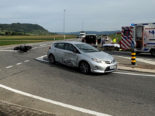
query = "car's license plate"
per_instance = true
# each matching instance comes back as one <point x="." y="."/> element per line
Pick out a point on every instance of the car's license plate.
<point x="113" y="67"/>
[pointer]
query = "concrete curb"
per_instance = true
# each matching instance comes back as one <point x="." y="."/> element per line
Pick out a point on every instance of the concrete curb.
<point x="9" y="109"/>
<point x="121" y="67"/>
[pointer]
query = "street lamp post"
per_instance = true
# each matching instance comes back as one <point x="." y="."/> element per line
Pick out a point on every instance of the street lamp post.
<point x="64" y="23"/>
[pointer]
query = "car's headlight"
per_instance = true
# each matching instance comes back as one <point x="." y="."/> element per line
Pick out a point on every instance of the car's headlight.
<point x="110" y="62"/>
<point x="107" y="62"/>
<point x="97" y="60"/>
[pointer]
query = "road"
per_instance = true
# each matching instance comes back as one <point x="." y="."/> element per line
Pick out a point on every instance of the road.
<point x="63" y="90"/>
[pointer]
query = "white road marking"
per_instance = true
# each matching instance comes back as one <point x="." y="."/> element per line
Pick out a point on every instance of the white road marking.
<point x="91" y="112"/>
<point x="9" y="67"/>
<point x="35" y="48"/>
<point x="19" y="63"/>
<point x="7" y="51"/>
<point x="140" y="59"/>
<point x="136" y="74"/>
<point x="43" y="45"/>
<point x="27" y="61"/>
<point x="41" y="58"/>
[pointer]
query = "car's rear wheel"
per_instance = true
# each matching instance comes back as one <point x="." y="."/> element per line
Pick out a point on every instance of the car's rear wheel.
<point x="51" y="59"/>
<point x="84" y="67"/>
<point x="153" y="52"/>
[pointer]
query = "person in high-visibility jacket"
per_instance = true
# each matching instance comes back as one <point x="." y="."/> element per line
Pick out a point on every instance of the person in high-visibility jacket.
<point x="114" y="40"/>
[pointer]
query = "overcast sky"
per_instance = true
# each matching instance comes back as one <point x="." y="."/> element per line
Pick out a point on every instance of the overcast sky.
<point x="88" y="15"/>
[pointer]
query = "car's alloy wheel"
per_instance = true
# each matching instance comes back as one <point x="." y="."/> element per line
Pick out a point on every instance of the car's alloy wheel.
<point x="84" y="67"/>
<point x="51" y="59"/>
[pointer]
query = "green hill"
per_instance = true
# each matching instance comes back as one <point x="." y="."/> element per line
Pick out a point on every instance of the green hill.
<point x="22" y="29"/>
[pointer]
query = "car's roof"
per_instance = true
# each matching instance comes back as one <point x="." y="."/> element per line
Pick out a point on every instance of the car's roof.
<point x="71" y="42"/>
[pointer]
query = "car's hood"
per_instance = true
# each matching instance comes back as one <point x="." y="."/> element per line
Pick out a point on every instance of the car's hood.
<point x="100" y="55"/>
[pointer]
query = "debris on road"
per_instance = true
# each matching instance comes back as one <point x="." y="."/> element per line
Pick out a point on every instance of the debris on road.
<point x="23" y="48"/>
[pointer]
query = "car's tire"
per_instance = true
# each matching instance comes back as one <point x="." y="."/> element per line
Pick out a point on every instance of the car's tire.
<point x="16" y="48"/>
<point x="137" y="53"/>
<point x="84" y="67"/>
<point x="116" y="48"/>
<point x="153" y="52"/>
<point x="51" y="59"/>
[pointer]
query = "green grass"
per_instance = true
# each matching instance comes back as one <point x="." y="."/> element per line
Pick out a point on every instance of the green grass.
<point x="9" y="40"/>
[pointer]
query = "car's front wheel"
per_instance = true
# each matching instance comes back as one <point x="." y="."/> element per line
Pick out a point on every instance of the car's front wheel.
<point x="51" y="59"/>
<point x="84" y="67"/>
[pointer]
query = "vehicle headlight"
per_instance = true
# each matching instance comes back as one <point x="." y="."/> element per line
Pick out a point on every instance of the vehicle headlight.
<point x="110" y="62"/>
<point x="97" y="60"/>
<point x="107" y="62"/>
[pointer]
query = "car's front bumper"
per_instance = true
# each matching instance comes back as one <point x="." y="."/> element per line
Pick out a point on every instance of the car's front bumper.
<point x="103" y="68"/>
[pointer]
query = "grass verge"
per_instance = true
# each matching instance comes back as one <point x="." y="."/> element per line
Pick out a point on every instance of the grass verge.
<point x="9" y="40"/>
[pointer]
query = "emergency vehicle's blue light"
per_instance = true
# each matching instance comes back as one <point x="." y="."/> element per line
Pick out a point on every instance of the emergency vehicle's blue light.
<point x="145" y="23"/>
<point x="132" y="24"/>
<point x="146" y="49"/>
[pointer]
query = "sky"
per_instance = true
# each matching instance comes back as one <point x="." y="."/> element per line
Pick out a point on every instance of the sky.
<point x="86" y="15"/>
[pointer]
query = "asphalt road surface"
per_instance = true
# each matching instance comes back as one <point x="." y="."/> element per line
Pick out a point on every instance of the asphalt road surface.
<point x="66" y="92"/>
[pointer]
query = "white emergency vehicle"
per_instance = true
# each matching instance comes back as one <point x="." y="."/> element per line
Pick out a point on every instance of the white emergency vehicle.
<point x="140" y="37"/>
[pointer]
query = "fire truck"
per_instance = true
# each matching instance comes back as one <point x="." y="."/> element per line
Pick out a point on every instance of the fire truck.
<point x="139" y="37"/>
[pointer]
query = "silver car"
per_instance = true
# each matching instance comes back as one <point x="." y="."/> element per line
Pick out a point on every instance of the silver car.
<point x="81" y="55"/>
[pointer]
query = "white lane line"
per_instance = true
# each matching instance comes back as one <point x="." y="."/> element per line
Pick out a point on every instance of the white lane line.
<point x="39" y="47"/>
<point x="135" y="74"/>
<point x="43" y="45"/>
<point x="27" y="61"/>
<point x="9" y="67"/>
<point x="7" y="50"/>
<point x="140" y="59"/>
<point x="41" y="58"/>
<point x="19" y="63"/>
<point x="35" y="48"/>
<point x="87" y="111"/>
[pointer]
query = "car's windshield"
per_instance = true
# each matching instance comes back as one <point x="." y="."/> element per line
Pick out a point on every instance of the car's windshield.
<point x="86" y="48"/>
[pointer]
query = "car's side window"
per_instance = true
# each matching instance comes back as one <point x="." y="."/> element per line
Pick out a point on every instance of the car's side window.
<point x="56" y="45"/>
<point x="59" y="45"/>
<point x="70" y="47"/>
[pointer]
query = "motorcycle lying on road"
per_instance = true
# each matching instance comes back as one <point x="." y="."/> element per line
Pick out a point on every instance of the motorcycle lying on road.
<point x="23" y="48"/>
